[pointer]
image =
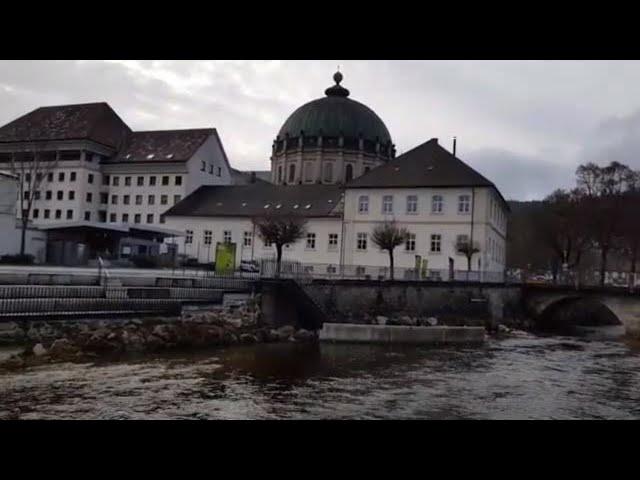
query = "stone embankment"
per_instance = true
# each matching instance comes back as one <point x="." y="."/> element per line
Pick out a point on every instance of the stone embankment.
<point x="80" y="340"/>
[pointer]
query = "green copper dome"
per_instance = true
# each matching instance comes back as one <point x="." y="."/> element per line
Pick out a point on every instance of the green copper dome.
<point x="336" y="115"/>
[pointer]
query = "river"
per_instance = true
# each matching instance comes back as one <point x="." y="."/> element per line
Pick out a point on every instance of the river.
<point x="593" y="375"/>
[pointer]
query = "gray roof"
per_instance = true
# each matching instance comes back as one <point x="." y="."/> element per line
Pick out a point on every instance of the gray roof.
<point x="162" y="145"/>
<point x="239" y="177"/>
<point x="88" y="121"/>
<point x="250" y="201"/>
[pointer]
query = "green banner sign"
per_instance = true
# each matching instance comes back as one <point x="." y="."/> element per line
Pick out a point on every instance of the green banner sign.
<point x="225" y="257"/>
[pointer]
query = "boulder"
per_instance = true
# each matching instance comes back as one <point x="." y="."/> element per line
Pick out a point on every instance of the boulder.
<point x="248" y="338"/>
<point x="381" y="320"/>
<point x="14" y="361"/>
<point x="503" y="329"/>
<point x="408" y="321"/>
<point x="62" y="347"/>
<point x="304" y="335"/>
<point x="39" y="350"/>
<point x="432" y="321"/>
<point x="235" y="322"/>
<point x="285" y="332"/>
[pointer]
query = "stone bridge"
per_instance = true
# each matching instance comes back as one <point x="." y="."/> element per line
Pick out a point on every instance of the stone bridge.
<point x="541" y="301"/>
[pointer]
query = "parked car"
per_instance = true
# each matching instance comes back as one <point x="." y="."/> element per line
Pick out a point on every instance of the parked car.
<point x="249" y="266"/>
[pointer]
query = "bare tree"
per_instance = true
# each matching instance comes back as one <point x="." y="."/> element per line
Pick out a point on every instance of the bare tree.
<point x="468" y="249"/>
<point x="387" y="236"/>
<point x="280" y="230"/>
<point x="31" y="168"/>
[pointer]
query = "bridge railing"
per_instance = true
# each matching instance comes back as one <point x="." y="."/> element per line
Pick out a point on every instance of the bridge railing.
<point x="573" y="279"/>
<point x="309" y="271"/>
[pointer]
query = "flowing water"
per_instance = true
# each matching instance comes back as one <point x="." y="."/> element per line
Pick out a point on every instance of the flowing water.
<point x="594" y="375"/>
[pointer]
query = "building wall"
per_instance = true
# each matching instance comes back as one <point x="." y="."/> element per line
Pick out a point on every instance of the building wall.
<point x="216" y="168"/>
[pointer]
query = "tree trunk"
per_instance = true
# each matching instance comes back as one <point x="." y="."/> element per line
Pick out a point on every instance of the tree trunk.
<point x="469" y="264"/>
<point x="603" y="264"/>
<point x="278" y="259"/>
<point x="391" y="264"/>
<point x="632" y="276"/>
<point x="23" y="234"/>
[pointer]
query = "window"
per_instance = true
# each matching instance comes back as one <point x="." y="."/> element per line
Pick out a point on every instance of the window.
<point x="69" y="214"/>
<point x="115" y="181"/>
<point x="36" y="213"/>
<point x="49" y="177"/>
<point x="87" y="216"/>
<point x="203" y="167"/>
<point x="60" y="177"/>
<point x="72" y="177"/>
<point x="138" y="199"/>
<point x="464" y="204"/>
<point x="151" y="199"/>
<point x="436" y="204"/>
<point x="436" y="240"/>
<point x="207" y="236"/>
<point x="227" y="236"/>
<point x="125" y="218"/>
<point x="189" y="236"/>
<point x="162" y="219"/>
<point x="178" y="180"/>
<point x="137" y="218"/>
<point x="279" y="173"/>
<point x="387" y="204"/>
<point x="248" y="238"/>
<point x="410" y="244"/>
<point x="126" y="199"/>
<point x="26" y="194"/>
<point x="112" y="218"/>
<point x="48" y="194"/>
<point x="292" y="173"/>
<point x="47" y="213"/>
<point x="311" y="241"/>
<point x="90" y="178"/>
<point x="149" y="217"/>
<point x="102" y="216"/>
<point x="140" y="181"/>
<point x="363" y="204"/>
<point x="165" y="180"/>
<point x="308" y="172"/>
<point x="328" y="172"/>
<point x="412" y="204"/>
<point x="114" y="199"/>
<point x="152" y="181"/>
<point x="60" y="194"/>
<point x="89" y="197"/>
<point x="266" y="243"/>
<point x="27" y="177"/>
<point x="349" y="173"/>
<point x="211" y="168"/>
<point x="127" y="181"/>
<point x="38" y="177"/>
<point x="176" y="198"/>
<point x="163" y="199"/>
<point x="460" y="241"/>
<point x="333" y="241"/>
<point x="104" y="198"/>
<point x="58" y="214"/>
<point x="36" y="195"/>
<point x="331" y="269"/>
<point x="72" y="195"/>
<point x="105" y="180"/>
<point x="219" y="172"/>
<point x="362" y="241"/>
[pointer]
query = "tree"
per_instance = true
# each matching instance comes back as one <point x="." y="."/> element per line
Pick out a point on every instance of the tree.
<point x="468" y="249"/>
<point x="629" y="229"/>
<point x="31" y="168"/>
<point x="279" y="230"/>
<point x="387" y="236"/>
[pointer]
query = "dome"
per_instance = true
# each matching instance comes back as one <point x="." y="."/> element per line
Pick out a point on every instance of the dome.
<point x="336" y="115"/>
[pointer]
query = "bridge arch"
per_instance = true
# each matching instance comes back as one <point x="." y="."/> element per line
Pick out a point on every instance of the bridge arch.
<point x="565" y="311"/>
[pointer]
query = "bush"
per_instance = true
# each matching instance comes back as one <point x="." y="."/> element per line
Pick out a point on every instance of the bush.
<point x="18" y="259"/>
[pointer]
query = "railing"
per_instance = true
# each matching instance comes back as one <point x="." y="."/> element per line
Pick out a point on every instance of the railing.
<point x="306" y="272"/>
<point x="620" y="280"/>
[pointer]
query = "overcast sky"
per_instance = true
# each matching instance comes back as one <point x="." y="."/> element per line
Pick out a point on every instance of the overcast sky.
<point x="526" y="125"/>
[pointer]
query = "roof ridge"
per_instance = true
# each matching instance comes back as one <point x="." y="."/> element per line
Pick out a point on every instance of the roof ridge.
<point x="73" y="105"/>
<point x="208" y="129"/>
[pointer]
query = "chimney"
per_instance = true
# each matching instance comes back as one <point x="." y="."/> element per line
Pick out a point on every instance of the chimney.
<point x="253" y="177"/>
<point x="454" y="146"/>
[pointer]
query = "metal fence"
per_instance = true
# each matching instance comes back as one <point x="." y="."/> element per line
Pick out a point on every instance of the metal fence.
<point x="309" y="271"/>
<point x="575" y="279"/>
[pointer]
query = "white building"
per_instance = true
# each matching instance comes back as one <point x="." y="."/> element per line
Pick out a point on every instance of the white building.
<point x="333" y="162"/>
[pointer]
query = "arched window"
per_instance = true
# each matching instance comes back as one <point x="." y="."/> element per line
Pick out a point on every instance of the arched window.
<point x="328" y="172"/>
<point x="349" y="173"/>
<point x="279" y="173"/>
<point x="292" y="173"/>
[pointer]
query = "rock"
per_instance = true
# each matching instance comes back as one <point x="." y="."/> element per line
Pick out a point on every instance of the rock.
<point x="285" y="331"/>
<point x="432" y="321"/>
<point x="304" y="335"/>
<point x="236" y="322"/>
<point x="381" y="320"/>
<point x="39" y="350"/>
<point x="14" y="361"/>
<point x="503" y="329"/>
<point x="62" y="347"/>
<point x="248" y="338"/>
<point x="407" y="321"/>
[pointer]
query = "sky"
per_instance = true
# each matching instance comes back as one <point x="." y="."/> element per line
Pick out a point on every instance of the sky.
<point x="525" y="125"/>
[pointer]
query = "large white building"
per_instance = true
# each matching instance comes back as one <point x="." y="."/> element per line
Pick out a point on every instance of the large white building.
<point x="333" y="162"/>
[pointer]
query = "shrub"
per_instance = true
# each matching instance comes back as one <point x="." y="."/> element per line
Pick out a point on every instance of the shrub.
<point x="18" y="259"/>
